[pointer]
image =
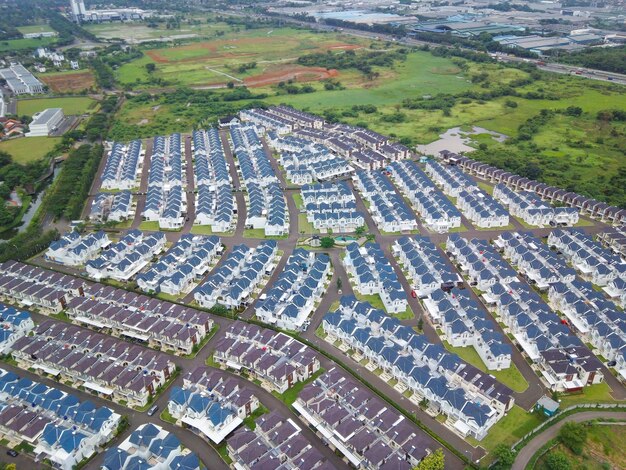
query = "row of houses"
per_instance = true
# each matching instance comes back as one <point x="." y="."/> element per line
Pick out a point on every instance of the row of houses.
<point x="331" y="207"/>
<point x="594" y="262"/>
<point x="234" y="282"/>
<point x="295" y="294"/>
<point x="529" y="207"/>
<point x="112" y="207"/>
<point x="305" y="161"/>
<point x="188" y="260"/>
<point x="122" y="167"/>
<point x="211" y="403"/>
<point x="364" y="148"/>
<point x="277" y="360"/>
<point x="166" y="201"/>
<point x="267" y="207"/>
<point x="275" y="442"/>
<point x="596" y="320"/>
<point x="215" y="203"/>
<point x="122" y="260"/>
<point x="74" y="249"/>
<point x="388" y="209"/>
<point x="451" y="179"/>
<point x="151" y="447"/>
<point x="541" y="266"/>
<point x="425" y="266"/>
<point x="161" y="324"/>
<point x="615" y="239"/>
<point x="360" y="426"/>
<point x="57" y="425"/>
<point x="158" y="332"/>
<point x="471" y="400"/>
<point x="372" y="274"/>
<point x="541" y="334"/>
<point x="437" y="212"/>
<point x="14" y="324"/>
<point x="105" y="366"/>
<point x="586" y="206"/>
<point x="465" y="323"/>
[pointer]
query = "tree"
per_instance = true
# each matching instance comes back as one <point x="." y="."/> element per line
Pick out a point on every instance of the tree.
<point x="360" y="231"/>
<point x="573" y="436"/>
<point x="339" y="283"/>
<point x="420" y="324"/>
<point x="505" y="457"/>
<point x="557" y="461"/>
<point x="327" y="242"/>
<point x="5" y="192"/>
<point x="230" y="85"/>
<point x="434" y="461"/>
<point x="150" y="67"/>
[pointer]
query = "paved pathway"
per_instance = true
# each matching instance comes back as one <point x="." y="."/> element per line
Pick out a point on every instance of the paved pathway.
<point x="551" y="432"/>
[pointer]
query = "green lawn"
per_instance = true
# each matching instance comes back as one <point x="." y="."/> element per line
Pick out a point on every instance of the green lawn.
<point x="599" y="393"/>
<point x="515" y="425"/>
<point x="29" y="149"/>
<point x="510" y="377"/>
<point x="21" y="44"/>
<point x="35" y="28"/>
<point x="254" y="233"/>
<point x="70" y="105"/>
<point x="152" y="226"/>
<point x="375" y="301"/>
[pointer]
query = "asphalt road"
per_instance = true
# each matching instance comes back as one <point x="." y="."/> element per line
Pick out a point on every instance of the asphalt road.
<point x="535" y="444"/>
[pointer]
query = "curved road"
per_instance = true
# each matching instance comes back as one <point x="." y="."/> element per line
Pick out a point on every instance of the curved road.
<point x="535" y="444"/>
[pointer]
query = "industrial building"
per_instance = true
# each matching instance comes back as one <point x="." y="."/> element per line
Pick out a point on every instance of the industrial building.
<point x="20" y="80"/>
<point x="45" y="122"/>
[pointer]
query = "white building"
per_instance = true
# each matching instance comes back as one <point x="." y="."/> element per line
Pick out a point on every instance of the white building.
<point x="45" y="122"/>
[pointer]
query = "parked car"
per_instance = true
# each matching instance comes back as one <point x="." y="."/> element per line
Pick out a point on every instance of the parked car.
<point x="153" y="410"/>
<point x="12" y="453"/>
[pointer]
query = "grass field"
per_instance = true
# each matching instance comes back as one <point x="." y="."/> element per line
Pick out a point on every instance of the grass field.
<point x="28" y="149"/>
<point x="35" y="28"/>
<point x="510" y="377"/>
<point x="215" y="61"/>
<point x="70" y="105"/>
<point x="21" y="44"/>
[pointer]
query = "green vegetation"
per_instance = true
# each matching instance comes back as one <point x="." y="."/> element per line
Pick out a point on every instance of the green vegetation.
<point x="510" y="377"/>
<point x="601" y="448"/>
<point x="70" y="105"/>
<point x="599" y="393"/>
<point x="29" y="149"/>
<point x="515" y="425"/>
<point x="13" y="45"/>
<point x="611" y="59"/>
<point x="433" y="461"/>
<point x="70" y="191"/>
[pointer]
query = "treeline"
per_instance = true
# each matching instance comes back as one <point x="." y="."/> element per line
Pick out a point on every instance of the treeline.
<point x="98" y="125"/>
<point x="361" y="61"/>
<point x="109" y="58"/>
<point x="393" y="30"/>
<point x="609" y="59"/>
<point x="484" y="43"/>
<point x="69" y="192"/>
<point x="68" y="30"/>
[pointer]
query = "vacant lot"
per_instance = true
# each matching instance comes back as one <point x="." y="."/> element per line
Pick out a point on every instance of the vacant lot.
<point x="264" y="53"/>
<point x="69" y="82"/>
<point x="28" y="149"/>
<point x="70" y="105"/>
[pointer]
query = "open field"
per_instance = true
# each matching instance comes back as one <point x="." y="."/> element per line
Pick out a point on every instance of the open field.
<point x="217" y="61"/>
<point x="141" y="32"/>
<point x="35" y="28"/>
<point x="69" y="82"/>
<point x="70" y="105"/>
<point x="604" y="449"/>
<point x="28" y="149"/>
<point x="21" y="44"/>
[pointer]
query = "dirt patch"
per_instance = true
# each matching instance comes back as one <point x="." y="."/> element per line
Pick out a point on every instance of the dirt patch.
<point x="290" y="72"/>
<point x="343" y="47"/>
<point x="70" y="82"/>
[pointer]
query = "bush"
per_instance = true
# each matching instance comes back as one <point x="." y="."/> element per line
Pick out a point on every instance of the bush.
<point x="557" y="461"/>
<point x="573" y="436"/>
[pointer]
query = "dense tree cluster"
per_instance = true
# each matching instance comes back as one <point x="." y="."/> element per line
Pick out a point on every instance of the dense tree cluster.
<point x="362" y="61"/>
<point x="610" y="59"/>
